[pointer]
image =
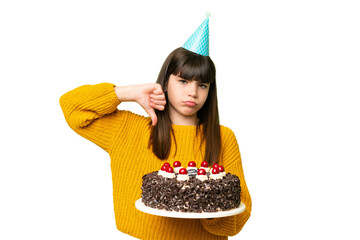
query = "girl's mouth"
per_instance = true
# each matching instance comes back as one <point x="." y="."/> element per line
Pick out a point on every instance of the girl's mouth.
<point x="190" y="103"/>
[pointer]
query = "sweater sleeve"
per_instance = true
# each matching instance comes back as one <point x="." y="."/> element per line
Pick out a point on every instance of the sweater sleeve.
<point x="91" y="111"/>
<point x="230" y="226"/>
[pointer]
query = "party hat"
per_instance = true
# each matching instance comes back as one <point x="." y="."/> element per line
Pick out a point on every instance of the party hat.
<point x="199" y="40"/>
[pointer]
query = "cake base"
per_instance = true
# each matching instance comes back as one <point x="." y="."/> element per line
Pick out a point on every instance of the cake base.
<point x="192" y="195"/>
<point x="165" y="213"/>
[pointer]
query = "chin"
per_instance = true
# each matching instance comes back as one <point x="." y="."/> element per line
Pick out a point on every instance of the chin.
<point x="189" y="114"/>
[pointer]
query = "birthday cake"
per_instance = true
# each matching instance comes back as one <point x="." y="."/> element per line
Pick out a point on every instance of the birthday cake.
<point x="191" y="189"/>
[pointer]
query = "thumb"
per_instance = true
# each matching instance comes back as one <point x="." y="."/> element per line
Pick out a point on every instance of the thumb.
<point x="152" y="115"/>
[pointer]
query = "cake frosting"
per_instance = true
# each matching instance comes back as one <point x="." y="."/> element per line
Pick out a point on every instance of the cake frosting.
<point x="183" y="177"/>
<point x="202" y="177"/>
<point x="204" y="192"/>
<point x="215" y="176"/>
<point x="177" y="166"/>
<point x="205" y="166"/>
<point x="167" y="174"/>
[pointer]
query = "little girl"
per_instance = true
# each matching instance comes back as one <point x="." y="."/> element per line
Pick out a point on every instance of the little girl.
<point x="183" y="126"/>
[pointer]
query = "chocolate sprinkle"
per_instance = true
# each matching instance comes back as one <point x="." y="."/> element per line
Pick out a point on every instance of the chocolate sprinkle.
<point x="192" y="195"/>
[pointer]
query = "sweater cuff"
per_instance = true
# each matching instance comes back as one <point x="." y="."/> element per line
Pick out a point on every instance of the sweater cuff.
<point x="105" y="99"/>
<point x="224" y="226"/>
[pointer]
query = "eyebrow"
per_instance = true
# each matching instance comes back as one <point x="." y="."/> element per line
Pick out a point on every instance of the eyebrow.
<point x="200" y="82"/>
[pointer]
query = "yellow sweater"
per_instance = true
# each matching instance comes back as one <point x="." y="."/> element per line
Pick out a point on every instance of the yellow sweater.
<point x="92" y="112"/>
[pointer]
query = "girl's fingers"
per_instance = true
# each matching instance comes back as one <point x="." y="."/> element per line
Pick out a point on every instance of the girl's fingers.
<point x="157" y="89"/>
<point x="158" y="92"/>
<point x="158" y="107"/>
<point x="157" y="96"/>
<point x="158" y="102"/>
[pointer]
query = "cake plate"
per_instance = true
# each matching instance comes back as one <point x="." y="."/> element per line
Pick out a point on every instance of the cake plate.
<point x="164" y="213"/>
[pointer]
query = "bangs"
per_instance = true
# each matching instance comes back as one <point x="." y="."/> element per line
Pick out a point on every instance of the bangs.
<point x="196" y="67"/>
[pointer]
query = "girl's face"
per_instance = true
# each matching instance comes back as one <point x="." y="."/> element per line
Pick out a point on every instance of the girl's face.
<point x="186" y="98"/>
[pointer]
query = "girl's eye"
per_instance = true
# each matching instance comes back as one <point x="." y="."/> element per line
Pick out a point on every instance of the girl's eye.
<point x="182" y="81"/>
<point x="203" y="86"/>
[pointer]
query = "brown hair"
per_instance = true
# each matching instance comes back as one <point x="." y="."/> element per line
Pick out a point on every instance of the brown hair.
<point x="190" y="66"/>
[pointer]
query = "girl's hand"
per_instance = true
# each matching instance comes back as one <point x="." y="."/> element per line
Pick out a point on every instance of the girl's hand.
<point x="150" y="96"/>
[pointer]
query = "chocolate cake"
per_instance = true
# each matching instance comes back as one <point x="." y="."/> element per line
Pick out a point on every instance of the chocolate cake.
<point x="206" y="191"/>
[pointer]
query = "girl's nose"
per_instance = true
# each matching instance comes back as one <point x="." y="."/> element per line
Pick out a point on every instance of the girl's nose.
<point x="192" y="89"/>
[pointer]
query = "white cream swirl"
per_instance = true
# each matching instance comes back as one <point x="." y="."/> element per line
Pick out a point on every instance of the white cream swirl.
<point x="183" y="177"/>
<point x="202" y="177"/>
<point x="166" y="174"/>
<point x="169" y="175"/>
<point x="215" y="176"/>
<point x="161" y="173"/>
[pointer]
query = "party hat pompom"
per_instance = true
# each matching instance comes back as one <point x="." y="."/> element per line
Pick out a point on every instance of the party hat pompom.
<point x="208" y="14"/>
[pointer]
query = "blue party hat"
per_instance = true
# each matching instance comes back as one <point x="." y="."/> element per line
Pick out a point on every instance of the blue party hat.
<point x="199" y="41"/>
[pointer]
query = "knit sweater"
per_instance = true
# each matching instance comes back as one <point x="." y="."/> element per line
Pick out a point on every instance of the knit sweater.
<point x="92" y="112"/>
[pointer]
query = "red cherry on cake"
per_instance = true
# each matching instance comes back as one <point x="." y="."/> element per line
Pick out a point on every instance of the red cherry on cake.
<point x="170" y="170"/>
<point x="205" y="164"/>
<point x="221" y="169"/>
<point x="183" y="171"/>
<point x="215" y="170"/>
<point x="215" y="165"/>
<point x="201" y="172"/>
<point x="177" y="164"/>
<point x="192" y="164"/>
<point x="165" y="166"/>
